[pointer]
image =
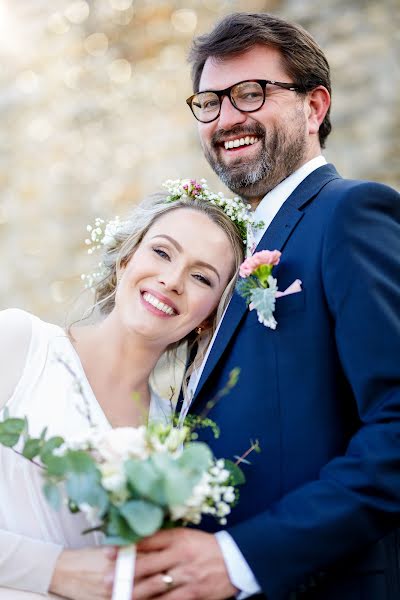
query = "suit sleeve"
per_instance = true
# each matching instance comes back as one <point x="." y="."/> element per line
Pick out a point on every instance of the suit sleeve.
<point x="356" y="500"/>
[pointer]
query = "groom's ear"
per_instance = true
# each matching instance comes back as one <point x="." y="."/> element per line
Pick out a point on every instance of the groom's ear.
<point x="318" y="102"/>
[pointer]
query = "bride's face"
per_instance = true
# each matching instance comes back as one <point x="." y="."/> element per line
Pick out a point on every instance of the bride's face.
<point x="176" y="276"/>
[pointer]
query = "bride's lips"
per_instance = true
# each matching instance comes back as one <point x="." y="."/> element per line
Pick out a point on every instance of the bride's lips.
<point x="158" y="304"/>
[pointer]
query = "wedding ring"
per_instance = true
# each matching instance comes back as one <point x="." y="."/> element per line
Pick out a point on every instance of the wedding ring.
<point x="168" y="580"/>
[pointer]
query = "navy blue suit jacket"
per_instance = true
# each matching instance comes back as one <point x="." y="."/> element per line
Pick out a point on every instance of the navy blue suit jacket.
<point x="318" y="514"/>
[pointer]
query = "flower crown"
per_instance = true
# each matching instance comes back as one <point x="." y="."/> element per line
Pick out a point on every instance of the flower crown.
<point x="234" y="208"/>
<point x="103" y="234"/>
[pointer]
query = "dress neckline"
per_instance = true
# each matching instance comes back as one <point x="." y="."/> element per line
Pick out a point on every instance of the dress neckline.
<point x="159" y="407"/>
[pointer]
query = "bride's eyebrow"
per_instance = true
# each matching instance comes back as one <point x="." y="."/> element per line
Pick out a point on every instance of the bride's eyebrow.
<point x="180" y="249"/>
<point x="170" y="239"/>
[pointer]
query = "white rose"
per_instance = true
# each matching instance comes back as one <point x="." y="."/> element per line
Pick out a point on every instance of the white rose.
<point x="122" y="443"/>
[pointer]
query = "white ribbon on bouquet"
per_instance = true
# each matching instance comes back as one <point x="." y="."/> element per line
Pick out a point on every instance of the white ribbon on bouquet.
<point x="124" y="573"/>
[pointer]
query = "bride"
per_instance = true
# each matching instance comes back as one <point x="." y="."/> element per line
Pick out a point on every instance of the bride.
<point x="167" y="276"/>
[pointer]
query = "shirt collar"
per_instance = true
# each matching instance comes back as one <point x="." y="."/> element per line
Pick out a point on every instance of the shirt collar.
<point x="272" y="202"/>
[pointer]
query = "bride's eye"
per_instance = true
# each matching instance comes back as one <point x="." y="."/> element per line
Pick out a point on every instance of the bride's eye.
<point x="202" y="279"/>
<point x="161" y="253"/>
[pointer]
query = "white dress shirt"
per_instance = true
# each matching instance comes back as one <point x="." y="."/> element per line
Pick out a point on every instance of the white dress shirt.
<point x="240" y="574"/>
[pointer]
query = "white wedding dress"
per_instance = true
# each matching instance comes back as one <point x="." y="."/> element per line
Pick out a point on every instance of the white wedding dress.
<point x="32" y="534"/>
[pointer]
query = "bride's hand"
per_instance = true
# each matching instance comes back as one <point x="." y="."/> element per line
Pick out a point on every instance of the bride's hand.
<point x="84" y="574"/>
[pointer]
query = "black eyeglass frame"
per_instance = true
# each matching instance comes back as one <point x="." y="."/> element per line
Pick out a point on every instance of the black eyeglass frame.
<point x="293" y="87"/>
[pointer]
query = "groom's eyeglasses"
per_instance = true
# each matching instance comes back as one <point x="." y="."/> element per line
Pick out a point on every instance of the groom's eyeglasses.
<point x="246" y="96"/>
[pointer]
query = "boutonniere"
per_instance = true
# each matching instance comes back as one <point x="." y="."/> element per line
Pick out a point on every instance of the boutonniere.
<point x="257" y="286"/>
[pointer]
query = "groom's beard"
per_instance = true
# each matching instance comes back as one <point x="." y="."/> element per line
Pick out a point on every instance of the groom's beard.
<point x="281" y="152"/>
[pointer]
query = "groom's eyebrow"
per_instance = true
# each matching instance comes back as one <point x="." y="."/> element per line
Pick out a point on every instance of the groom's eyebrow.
<point x="180" y="249"/>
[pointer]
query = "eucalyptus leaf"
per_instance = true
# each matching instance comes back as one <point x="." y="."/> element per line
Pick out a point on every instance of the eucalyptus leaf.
<point x="143" y="517"/>
<point x="43" y="434"/>
<point x="13" y="425"/>
<point x="49" y="446"/>
<point x="263" y="301"/>
<point x="179" y="485"/>
<point x="119" y="530"/>
<point x="80" y="462"/>
<point x="236" y="473"/>
<point x="146" y="480"/>
<point x="56" y="466"/>
<point x="53" y="495"/>
<point x="85" y="488"/>
<point x="11" y="430"/>
<point x="32" y="448"/>
<point x="196" y="457"/>
<point x="9" y="439"/>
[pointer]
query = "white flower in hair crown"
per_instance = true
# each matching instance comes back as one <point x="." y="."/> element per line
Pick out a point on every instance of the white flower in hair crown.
<point x="102" y="234"/>
<point x="237" y="210"/>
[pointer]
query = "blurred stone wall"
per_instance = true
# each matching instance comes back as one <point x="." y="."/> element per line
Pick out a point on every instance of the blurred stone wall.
<point x="93" y="117"/>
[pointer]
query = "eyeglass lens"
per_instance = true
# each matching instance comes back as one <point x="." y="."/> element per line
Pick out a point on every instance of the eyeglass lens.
<point x="246" y="96"/>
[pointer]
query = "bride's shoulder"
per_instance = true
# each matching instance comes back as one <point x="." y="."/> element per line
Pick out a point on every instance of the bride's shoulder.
<point x="15" y="339"/>
<point x="15" y="326"/>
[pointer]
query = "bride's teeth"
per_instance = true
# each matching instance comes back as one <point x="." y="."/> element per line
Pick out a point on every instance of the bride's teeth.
<point x="158" y="304"/>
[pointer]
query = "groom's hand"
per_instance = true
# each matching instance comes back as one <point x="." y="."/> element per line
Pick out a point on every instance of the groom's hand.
<point x="181" y="564"/>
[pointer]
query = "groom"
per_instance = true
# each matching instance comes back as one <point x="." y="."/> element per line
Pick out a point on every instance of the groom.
<point x="318" y="514"/>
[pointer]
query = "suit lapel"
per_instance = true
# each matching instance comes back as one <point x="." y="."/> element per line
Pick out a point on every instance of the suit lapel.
<point x="274" y="238"/>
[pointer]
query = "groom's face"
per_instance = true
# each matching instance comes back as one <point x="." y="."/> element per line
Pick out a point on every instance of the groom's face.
<point x="278" y="130"/>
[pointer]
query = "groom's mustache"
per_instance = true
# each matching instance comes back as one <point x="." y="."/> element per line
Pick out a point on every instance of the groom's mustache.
<point x="221" y="135"/>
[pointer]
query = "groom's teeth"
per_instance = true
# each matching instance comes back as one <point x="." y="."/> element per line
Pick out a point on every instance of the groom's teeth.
<point x="158" y="304"/>
<point x="246" y="141"/>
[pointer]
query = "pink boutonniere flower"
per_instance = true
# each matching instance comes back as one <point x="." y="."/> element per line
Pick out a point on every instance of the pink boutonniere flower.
<point x="257" y="286"/>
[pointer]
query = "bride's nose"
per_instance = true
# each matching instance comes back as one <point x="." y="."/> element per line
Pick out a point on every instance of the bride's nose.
<point x="172" y="279"/>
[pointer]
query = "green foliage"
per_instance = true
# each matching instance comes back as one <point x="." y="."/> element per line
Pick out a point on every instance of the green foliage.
<point x="10" y="431"/>
<point x="83" y="481"/>
<point x="196" y="457"/>
<point x="143" y="517"/>
<point x="117" y="530"/>
<point x="52" y="493"/>
<point x="32" y="448"/>
<point x="146" y="480"/>
<point x="262" y="273"/>
<point x="56" y="466"/>
<point x="194" y="422"/>
<point x="245" y="287"/>
<point x="236" y="474"/>
<point x="48" y="446"/>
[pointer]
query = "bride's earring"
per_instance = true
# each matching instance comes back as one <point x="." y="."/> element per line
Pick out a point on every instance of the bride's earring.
<point x="199" y="330"/>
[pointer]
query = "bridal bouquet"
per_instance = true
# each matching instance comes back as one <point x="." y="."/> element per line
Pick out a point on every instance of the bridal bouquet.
<point x="130" y="482"/>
